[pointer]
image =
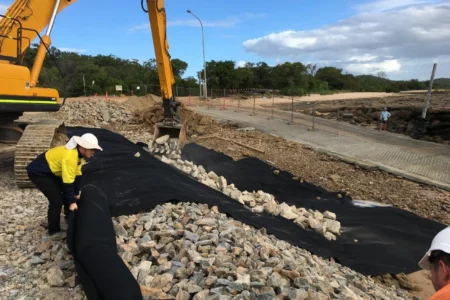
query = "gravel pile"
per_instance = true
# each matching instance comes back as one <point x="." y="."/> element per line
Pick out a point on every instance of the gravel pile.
<point x="324" y="223"/>
<point x="92" y="112"/>
<point x="166" y="146"/>
<point x="190" y="251"/>
<point x="32" y="265"/>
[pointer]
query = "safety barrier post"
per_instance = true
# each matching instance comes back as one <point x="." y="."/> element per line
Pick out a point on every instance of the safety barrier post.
<point x="292" y="111"/>
<point x="190" y="97"/>
<point x="337" y="123"/>
<point x="313" y="111"/>
<point x="273" y="101"/>
<point x="254" y="105"/>
<point x="224" y="100"/>
<point x="210" y="100"/>
<point x="224" y="106"/>
<point x="314" y="118"/>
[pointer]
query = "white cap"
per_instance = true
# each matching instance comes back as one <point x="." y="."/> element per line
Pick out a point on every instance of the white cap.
<point x="87" y="141"/>
<point x="440" y="242"/>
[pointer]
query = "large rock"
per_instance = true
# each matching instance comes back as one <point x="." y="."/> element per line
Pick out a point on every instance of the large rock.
<point x="213" y="176"/>
<point x="206" y="222"/>
<point x="222" y="183"/>
<point x="333" y="226"/>
<point x="329" y="215"/>
<point x="270" y="206"/>
<point x="202" y="295"/>
<point x="161" y="281"/>
<point x="286" y="212"/>
<point x="55" y="276"/>
<point x="162" y="140"/>
<point x="243" y="280"/>
<point x="276" y="280"/>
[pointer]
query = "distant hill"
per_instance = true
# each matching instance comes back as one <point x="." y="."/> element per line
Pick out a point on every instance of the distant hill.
<point x="441" y="82"/>
<point x="370" y="83"/>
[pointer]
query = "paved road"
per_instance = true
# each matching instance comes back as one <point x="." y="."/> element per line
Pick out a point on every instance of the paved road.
<point x="420" y="161"/>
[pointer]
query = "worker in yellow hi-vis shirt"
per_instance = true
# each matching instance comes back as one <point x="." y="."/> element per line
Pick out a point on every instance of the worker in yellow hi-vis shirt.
<point x="57" y="173"/>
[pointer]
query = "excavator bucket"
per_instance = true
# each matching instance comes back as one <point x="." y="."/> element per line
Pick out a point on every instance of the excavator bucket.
<point x="175" y="131"/>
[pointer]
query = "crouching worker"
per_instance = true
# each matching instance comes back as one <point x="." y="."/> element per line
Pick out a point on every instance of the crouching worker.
<point x="57" y="174"/>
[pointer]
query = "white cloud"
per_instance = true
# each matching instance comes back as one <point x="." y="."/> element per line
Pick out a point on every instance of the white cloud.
<point x="378" y="39"/>
<point x="241" y="64"/>
<point x="372" y="68"/>
<point x="140" y="27"/>
<point x="192" y="22"/>
<point x="64" y="49"/>
<point x="3" y="8"/>
<point x="365" y="57"/>
<point x="385" y="5"/>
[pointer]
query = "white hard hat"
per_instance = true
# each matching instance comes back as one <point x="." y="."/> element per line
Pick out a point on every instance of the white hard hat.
<point x="88" y="141"/>
<point x="440" y="242"/>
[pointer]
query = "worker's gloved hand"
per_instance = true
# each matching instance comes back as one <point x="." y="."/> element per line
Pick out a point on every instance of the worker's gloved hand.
<point x="73" y="207"/>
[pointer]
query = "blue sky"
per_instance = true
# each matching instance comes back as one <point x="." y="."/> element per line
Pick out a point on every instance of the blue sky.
<point x="358" y="35"/>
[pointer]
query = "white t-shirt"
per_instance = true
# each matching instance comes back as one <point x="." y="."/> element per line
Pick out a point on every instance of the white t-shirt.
<point x="384" y="115"/>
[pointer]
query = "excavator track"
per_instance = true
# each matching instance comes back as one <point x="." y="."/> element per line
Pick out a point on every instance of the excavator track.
<point x="36" y="139"/>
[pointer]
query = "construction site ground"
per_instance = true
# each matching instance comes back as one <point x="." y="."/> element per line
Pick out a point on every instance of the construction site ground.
<point x="417" y="160"/>
<point x="323" y="157"/>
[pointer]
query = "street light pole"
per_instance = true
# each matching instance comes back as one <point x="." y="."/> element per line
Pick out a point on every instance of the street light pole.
<point x="205" y="93"/>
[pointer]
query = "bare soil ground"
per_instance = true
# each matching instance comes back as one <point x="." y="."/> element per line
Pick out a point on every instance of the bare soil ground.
<point x="405" y="110"/>
<point x="265" y="100"/>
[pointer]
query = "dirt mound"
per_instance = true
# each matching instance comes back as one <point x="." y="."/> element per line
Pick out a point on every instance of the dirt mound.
<point x="135" y="103"/>
<point x="196" y="124"/>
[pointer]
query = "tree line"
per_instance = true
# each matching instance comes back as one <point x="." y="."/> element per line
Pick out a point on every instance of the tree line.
<point x="98" y="74"/>
<point x="297" y="79"/>
<point x="101" y="73"/>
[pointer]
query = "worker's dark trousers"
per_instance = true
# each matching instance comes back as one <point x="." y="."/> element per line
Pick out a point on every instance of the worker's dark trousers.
<point x="51" y="187"/>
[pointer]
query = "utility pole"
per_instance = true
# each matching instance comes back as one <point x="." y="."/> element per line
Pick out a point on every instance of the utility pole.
<point x="204" y="60"/>
<point x="430" y="88"/>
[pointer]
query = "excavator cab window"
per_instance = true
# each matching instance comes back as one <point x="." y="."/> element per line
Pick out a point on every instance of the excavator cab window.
<point x="18" y="58"/>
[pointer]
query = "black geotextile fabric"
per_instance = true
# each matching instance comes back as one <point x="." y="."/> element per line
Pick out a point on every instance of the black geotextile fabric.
<point x="390" y="240"/>
<point x="92" y="241"/>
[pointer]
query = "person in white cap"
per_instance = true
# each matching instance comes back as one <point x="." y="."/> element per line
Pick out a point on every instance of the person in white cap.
<point x="57" y="174"/>
<point x="437" y="261"/>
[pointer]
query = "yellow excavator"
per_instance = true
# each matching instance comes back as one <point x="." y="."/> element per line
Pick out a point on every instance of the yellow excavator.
<point x="22" y="23"/>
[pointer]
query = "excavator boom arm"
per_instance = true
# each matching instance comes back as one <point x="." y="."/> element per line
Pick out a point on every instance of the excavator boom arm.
<point x="28" y="14"/>
<point x="157" y="17"/>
